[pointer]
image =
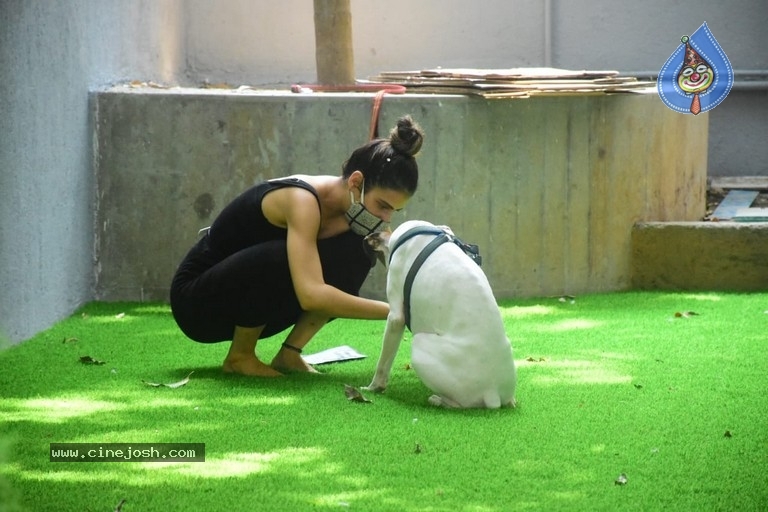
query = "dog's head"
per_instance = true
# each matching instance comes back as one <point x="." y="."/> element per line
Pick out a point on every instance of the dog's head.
<point x="376" y="246"/>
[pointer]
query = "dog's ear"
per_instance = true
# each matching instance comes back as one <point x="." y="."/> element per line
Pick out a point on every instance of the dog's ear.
<point x="376" y="245"/>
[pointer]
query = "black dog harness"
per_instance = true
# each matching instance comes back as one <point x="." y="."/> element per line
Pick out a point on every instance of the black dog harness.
<point x="441" y="237"/>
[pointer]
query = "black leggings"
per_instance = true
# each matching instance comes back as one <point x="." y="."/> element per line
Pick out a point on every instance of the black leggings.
<point x="253" y="287"/>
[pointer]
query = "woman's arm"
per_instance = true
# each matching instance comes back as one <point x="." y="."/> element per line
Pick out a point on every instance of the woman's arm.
<point x="303" y="222"/>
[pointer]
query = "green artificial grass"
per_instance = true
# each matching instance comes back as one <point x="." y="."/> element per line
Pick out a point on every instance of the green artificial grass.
<point x="608" y="385"/>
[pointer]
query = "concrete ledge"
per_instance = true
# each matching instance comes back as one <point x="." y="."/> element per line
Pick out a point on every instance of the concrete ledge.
<point x="725" y="256"/>
<point x="548" y="187"/>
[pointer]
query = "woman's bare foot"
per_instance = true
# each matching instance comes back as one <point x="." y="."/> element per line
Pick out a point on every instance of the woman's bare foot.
<point x="242" y="354"/>
<point x="288" y="360"/>
<point x="249" y="365"/>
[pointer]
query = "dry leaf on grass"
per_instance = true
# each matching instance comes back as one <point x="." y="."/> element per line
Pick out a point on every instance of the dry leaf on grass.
<point x="535" y="360"/>
<point x="69" y="339"/>
<point x="182" y="382"/>
<point x="621" y="479"/>
<point x="685" y="314"/>
<point x="119" y="506"/>
<point x="90" y="360"/>
<point x="354" y="395"/>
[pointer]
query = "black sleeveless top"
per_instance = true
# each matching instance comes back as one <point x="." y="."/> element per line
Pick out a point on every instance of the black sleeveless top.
<point x="240" y="224"/>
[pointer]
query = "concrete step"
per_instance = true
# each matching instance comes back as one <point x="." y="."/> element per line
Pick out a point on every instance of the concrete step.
<point x="725" y="256"/>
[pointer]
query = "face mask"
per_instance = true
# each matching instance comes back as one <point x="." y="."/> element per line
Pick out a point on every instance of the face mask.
<point x="361" y="221"/>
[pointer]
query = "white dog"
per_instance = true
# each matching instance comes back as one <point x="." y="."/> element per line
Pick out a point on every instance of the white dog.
<point x="460" y="350"/>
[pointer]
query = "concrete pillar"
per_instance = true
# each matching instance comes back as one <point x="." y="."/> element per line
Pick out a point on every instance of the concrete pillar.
<point x="333" y="42"/>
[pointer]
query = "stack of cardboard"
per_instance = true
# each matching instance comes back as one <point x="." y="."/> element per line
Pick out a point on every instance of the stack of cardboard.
<point x="512" y="83"/>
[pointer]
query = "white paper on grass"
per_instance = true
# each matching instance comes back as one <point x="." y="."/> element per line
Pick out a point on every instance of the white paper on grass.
<point x="334" y="355"/>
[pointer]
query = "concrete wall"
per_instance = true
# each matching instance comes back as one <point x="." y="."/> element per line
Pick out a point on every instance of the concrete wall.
<point x="53" y="53"/>
<point x="549" y="188"/>
<point x="273" y="42"/>
<point x="246" y="42"/>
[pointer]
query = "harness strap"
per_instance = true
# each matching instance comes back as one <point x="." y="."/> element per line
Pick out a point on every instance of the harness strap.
<point x="441" y="237"/>
<point x="417" y="263"/>
<point x="418" y="230"/>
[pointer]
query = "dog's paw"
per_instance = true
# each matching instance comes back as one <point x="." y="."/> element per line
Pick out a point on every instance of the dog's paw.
<point x="435" y="400"/>
<point x="374" y="388"/>
<point x="441" y="401"/>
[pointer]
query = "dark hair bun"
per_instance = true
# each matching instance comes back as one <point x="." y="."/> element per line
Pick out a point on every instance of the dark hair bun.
<point x="406" y="137"/>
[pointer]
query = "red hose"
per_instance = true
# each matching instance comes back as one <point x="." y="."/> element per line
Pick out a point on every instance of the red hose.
<point x="379" y="89"/>
<point x="390" y="88"/>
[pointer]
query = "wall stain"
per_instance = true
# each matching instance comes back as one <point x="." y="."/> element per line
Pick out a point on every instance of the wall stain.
<point x="204" y="205"/>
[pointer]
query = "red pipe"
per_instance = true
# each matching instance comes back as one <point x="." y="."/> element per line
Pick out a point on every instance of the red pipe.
<point x="379" y="89"/>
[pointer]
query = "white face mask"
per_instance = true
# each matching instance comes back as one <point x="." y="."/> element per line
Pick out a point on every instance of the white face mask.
<point x="361" y="221"/>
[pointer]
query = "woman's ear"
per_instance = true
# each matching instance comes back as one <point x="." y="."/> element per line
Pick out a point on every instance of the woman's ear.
<point x="355" y="180"/>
